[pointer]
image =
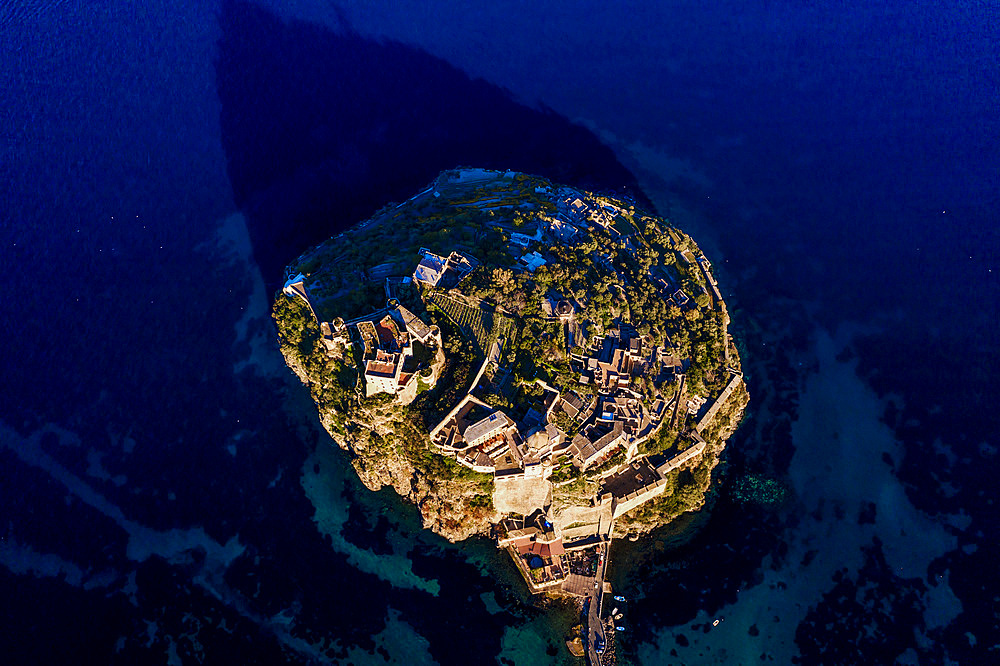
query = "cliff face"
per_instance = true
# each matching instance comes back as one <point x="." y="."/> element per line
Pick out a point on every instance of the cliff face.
<point x="639" y="340"/>
<point x="448" y="507"/>
<point x="381" y="445"/>
<point x="689" y="486"/>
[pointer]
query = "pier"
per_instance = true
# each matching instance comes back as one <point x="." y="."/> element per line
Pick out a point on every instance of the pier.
<point x="595" y="625"/>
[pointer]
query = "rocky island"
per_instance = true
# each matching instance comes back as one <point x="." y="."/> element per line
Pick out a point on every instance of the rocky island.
<point x="520" y="359"/>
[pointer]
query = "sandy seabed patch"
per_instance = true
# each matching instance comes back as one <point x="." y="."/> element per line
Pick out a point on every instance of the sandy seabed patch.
<point x="837" y="469"/>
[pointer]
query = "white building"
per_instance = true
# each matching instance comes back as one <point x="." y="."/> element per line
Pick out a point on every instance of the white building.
<point x="482" y="430"/>
<point x="430" y="269"/>
<point x="382" y="373"/>
<point x="296" y="286"/>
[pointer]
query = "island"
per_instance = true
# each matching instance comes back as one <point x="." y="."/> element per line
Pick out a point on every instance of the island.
<point x="544" y="365"/>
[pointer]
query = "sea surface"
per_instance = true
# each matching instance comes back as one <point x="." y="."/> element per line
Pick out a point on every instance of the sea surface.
<point x="167" y="493"/>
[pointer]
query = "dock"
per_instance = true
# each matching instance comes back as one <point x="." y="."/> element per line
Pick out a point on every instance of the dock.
<point x="595" y="623"/>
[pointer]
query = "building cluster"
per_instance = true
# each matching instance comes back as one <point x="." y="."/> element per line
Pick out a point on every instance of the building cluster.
<point x="611" y="364"/>
<point x="624" y="409"/>
<point x="487" y="440"/>
<point x="479" y="436"/>
<point x="583" y="212"/>
<point x="640" y="481"/>
<point x="522" y="447"/>
<point x="385" y="340"/>
<point x="385" y="350"/>
<point x="533" y="544"/>
<point x="612" y="367"/>
<point x="636" y="484"/>
<point x="595" y="443"/>
<point x="577" y="212"/>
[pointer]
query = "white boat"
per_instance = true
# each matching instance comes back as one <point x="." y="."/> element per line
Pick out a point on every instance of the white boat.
<point x="615" y="611"/>
<point x="618" y="617"/>
<point x="620" y="628"/>
<point x="618" y="598"/>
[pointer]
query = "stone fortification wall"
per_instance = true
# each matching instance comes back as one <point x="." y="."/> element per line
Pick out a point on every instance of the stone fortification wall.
<point x="717" y="405"/>
<point x="620" y="505"/>
<point x="588" y="520"/>
<point x="681" y="458"/>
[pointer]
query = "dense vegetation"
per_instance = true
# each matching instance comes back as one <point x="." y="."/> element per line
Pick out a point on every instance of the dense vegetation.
<point x="618" y="277"/>
<point x="332" y="382"/>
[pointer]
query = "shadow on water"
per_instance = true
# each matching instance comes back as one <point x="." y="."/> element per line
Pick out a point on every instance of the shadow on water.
<point x="322" y="128"/>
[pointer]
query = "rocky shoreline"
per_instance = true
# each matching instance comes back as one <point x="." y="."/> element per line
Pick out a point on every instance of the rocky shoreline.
<point x="658" y="421"/>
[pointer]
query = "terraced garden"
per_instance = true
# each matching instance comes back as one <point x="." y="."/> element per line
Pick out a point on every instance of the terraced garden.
<point x="480" y="322"/>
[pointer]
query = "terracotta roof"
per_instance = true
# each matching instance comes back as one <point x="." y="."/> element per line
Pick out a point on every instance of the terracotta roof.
<point x="387" y="332"/>
<point x="522" y="541"/>
<point x="380" y="368"/>
<point x="588" y="449"/>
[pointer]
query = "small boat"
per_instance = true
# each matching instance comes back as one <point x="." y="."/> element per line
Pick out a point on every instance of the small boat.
<point x="615" y="611"/>
<point x="715" y="623"/>
<point x="618" y="617"/>
<point x="618" y="598"/>
<point x="620" y="628"/>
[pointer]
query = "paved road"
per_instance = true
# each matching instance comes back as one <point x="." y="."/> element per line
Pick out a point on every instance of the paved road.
<point x="595" y="627"/>
<point x="577" y="584"/>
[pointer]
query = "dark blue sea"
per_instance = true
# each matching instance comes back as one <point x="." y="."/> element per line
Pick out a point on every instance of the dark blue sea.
<point x="167" y="495"/>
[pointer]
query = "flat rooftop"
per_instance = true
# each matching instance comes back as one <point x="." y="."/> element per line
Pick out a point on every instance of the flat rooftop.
<point x="637" y="475"/>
